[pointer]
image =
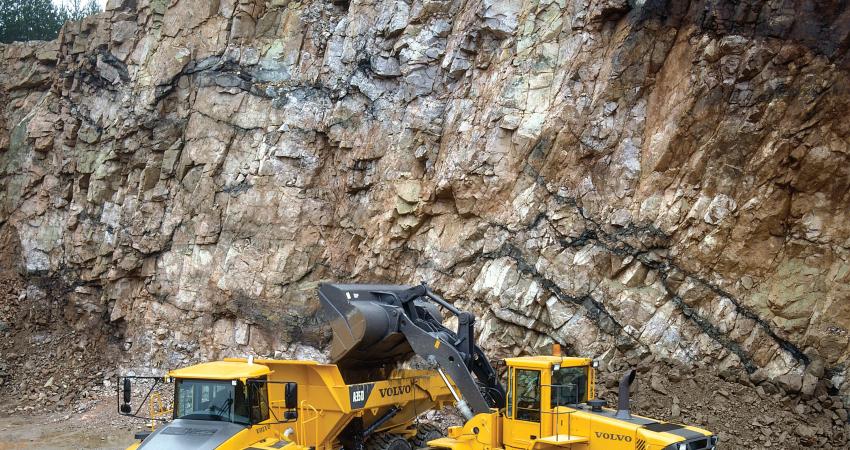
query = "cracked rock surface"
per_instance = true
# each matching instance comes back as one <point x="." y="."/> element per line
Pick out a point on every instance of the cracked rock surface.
<point x="639" y="181"/>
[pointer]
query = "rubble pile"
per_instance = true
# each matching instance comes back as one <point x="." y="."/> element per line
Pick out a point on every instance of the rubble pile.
<point x="45" y="365"/>
<point x="743" y="415"/>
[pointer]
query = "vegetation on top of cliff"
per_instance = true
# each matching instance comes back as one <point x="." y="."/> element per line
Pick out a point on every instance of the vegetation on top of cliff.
<point x="40" y="20"/>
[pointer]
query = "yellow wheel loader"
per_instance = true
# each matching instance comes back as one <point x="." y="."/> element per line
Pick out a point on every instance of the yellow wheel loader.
<point x="364" y="401"/>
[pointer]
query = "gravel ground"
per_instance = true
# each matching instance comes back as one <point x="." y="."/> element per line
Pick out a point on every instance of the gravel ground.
<point x="98" y="428"/>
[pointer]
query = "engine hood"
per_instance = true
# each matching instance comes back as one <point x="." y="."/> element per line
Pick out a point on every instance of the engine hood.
<point x="183" y="434"/>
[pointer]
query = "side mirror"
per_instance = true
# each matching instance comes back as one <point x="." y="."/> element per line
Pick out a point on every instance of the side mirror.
<point x="290" y="396"/>
<point x="126" y="392"/>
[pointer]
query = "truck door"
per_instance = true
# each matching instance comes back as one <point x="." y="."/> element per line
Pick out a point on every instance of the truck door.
<point x="522" y="421"/>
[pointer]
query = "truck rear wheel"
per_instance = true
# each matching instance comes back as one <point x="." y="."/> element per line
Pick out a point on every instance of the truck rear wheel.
<point x="426" y="432"/>
<point x="386" y="441"/>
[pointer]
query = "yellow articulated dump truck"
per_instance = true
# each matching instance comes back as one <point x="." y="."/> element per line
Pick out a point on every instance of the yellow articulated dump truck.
<point x="364" y="401"/>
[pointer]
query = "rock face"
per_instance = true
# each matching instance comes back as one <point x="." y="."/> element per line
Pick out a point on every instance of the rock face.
<point x="635" y="180"/>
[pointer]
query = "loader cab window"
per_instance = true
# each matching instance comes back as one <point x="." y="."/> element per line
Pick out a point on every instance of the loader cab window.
<point x="569" y="386"/>
<point x="528" y="395"/>
<point x="510" y="400"/>
<point x="211" y="400"/>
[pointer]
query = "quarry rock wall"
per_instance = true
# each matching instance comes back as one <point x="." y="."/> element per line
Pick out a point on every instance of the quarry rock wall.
<point x="636" y="180"/>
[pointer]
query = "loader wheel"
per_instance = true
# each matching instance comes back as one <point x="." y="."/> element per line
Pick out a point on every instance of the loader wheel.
<point x="426" y="432"/>
<point x="386" y="441"/>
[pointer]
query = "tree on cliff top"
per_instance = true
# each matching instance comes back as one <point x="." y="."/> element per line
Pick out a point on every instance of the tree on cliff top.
<point x="28" y="20"/>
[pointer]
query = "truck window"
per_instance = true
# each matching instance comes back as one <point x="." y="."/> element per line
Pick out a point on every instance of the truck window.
<point x="569" y="386"/>
<point x="528" y="395"/>
<point x="210" y="400"/>
<point x="259" y="399"/>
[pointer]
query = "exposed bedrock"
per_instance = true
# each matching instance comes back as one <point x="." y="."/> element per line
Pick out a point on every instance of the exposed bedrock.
<point x="636" y="180"/>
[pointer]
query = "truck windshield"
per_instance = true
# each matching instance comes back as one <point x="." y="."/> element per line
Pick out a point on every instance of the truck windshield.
<point x="211" y="400"/>
<point x="569" y="386"/>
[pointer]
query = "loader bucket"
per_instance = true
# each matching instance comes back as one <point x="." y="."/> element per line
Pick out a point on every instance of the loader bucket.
<point x="365" y="334"/>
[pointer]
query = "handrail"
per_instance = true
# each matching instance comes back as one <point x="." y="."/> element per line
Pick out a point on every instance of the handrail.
<point x="156" y="407"/>
<point x="555" y="422"/>
<point x="555" y="412"/>
<point x="303" y="422"/>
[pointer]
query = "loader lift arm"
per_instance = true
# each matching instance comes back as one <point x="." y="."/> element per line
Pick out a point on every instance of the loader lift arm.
<point x="376" y="326"/>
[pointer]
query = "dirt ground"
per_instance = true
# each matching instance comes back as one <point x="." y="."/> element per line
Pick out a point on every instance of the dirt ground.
<point x="55" y="390"/>
<point x="99" y="428"/>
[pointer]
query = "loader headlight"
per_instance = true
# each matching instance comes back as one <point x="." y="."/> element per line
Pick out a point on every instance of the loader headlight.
<point x="680" y="446"/>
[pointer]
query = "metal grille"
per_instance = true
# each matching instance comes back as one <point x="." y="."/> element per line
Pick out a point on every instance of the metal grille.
<point x="700" y="444"/>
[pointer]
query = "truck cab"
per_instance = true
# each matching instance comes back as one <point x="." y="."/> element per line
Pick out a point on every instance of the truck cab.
<point x="221" y="404"/>
<point x="210" y="392"/>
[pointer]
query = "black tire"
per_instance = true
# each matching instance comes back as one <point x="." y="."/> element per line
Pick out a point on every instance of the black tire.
<point x="426" y="432"/>
<point x="387" y="441"/>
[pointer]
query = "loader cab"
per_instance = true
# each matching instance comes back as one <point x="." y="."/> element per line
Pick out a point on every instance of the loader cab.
<point x="540" y="389"/>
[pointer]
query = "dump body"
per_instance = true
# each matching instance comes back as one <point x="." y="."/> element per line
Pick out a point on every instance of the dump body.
<point x="327" y="405"/>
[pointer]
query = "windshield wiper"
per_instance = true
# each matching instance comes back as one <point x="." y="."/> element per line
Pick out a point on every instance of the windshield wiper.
<point x="228" y="405"/>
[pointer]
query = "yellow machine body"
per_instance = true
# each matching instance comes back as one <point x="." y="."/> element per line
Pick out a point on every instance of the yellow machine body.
<point x="532" y="419"/>
<point x="365" y="402"/>
<point x="526" y="425"/>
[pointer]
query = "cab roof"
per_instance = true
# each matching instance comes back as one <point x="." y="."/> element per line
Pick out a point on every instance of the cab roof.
<point x="542" y="362"/>
<point x="221" y="370"/>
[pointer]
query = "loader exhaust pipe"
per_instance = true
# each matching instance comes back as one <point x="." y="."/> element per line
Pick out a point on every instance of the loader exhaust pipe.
<point x="623" y="396"/>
